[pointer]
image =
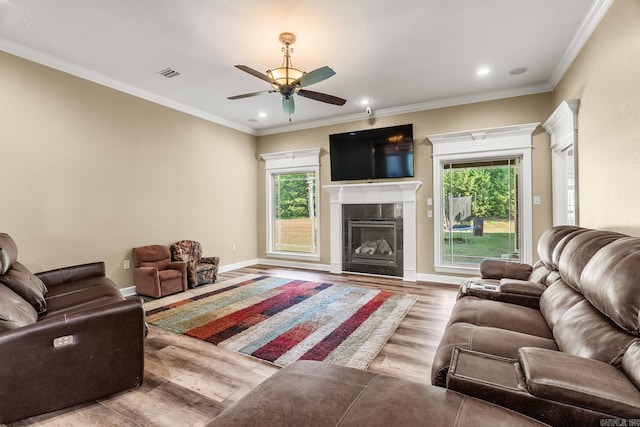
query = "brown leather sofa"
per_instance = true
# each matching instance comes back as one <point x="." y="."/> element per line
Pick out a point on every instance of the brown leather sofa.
<point x="66" y="336"/>
<point x="317" y="394"/>
<point x="557" y="341"/>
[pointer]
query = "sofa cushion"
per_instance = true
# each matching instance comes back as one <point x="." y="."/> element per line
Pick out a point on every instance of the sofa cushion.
<point x="579" y="250"/>
<point x="8" y="252"/>
<point x="556" y="300"/>
<point x="584" y="331"/>
<point x="24" y="283"/>
<point x="549" y="240"/>
<point x="610" y="282"/>
<point x="157" y="256"/>
<point x="497" y="314"/>
<point x="15" y="312"/>
<point x="497" y="269"/>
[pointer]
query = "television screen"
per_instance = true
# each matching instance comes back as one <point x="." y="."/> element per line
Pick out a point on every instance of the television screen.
<point x="372" y="154"/>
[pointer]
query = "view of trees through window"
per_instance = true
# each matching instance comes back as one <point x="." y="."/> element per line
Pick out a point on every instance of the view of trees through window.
<point x="480" y="211"/>
<point x="295" y="227"/>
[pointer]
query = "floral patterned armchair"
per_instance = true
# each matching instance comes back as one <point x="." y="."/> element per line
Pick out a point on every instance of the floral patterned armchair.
<point x="200" y="270"/>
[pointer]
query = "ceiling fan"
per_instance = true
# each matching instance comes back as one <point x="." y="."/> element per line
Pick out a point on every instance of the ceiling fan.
<point x="289" y="81"/>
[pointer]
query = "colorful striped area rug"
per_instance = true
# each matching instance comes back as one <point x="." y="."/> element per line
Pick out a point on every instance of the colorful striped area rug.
<point x="283" y="320"/>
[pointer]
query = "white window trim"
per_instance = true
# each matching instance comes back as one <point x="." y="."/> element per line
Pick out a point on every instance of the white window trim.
<point x="478" y="145"/>
<point x="562" y="126"/>
<point x="297" y="161"/>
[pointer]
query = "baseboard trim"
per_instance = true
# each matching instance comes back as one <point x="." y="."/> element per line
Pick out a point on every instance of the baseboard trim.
<point x="128" y="291"/>
<point x="440" y="278"/>
<point x="421" y="277"/>
<point x="235" y="266"/>
<point x="293" y="264"/>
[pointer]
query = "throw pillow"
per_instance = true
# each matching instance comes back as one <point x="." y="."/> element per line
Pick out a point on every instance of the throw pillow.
<point x="15" y="312"/>
<point x="27" y="285"/>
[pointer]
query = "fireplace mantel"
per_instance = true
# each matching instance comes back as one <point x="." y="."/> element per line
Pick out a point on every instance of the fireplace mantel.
<point x="404" y="192"/>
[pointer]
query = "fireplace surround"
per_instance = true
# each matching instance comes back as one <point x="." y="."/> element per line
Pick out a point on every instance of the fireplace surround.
<point x="397" y="203"/>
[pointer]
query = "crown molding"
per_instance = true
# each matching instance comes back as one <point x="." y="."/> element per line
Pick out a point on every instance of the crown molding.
<point x="587" y="28"/>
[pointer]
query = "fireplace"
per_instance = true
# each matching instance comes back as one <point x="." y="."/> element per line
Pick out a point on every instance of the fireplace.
<point x="394" y="207"/>
<point x="373" y="238"/>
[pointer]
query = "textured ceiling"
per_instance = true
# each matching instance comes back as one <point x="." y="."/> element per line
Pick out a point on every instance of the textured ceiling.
<point x="405" y="55"/>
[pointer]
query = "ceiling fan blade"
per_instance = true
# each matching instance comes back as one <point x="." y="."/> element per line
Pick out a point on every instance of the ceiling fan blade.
<point x="315" y="76"/>
<point x="256" y="73"/>
<point x="288" y="105"/>
<point x="322" y="97"/>
<point x="247" y="95"/>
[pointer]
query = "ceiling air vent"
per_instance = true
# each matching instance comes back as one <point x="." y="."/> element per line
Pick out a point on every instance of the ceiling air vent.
<point x="169" y="73"/>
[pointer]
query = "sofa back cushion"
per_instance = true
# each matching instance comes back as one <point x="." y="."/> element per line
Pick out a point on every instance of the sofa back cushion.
<point x="8" y="252"/>
<point x="24" y="283"/>
<point x="556" y="300"/>
<point x="611" y="282"/>
<point x="584" y="331"/>
<point x="577" y="251"/>
<point x="157" y="256"/>
<point x="15" y="312"/>
<point x="549" y="240"/>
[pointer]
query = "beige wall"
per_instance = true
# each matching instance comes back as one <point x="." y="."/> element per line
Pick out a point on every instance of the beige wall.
<point x="88" y="173"/>
<point x="605" y="77"/>
<point x="525" y="109"/>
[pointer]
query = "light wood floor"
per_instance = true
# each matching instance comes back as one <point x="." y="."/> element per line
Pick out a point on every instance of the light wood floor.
<point x="188" y="382"/>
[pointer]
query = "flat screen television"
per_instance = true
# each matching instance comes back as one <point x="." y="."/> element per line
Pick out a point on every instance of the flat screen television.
<point x="372" y="154"/>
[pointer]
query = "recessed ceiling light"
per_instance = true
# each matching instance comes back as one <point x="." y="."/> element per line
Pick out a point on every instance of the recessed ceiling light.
<point x="519" y="70"/>
<point x="483" y="71"/>
<point x="262" y="114"/>
<point x="364" y="101"/>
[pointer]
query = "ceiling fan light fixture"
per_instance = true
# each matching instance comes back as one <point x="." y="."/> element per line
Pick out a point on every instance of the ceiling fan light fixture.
<point x="284" y="76"/>
<point x="289" y="81"/>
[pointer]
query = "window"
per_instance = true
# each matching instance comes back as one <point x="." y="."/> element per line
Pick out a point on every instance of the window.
<point x="482" y="197"/>
<point x="294" y="216"/>
<point x="480" y="211"/>
<point x="292" y="204"/>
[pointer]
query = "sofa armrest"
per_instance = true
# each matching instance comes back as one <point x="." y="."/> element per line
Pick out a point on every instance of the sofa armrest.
<point x="178" y="265"/>
<point x="512" y="291"/>
<point x="498" y="269"/>
<point x="522" y="287"/>
<point x="73" y="273"/>
<point x="210" y="260"/>
<point x="65" y="360"/>
<point x="579" y="381"/>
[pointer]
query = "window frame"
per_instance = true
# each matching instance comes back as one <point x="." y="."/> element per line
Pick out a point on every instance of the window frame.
<point x="290" y="162"/>
<point x="477" y="146"/>
<point x="562" y="126"/>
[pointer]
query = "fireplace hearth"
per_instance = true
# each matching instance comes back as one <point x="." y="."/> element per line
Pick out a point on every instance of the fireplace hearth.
<point x="373" y="238"/>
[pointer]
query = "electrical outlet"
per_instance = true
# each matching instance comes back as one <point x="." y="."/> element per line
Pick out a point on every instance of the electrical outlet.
<point x="234" y="247"/>
<point x="127" y="264"/>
